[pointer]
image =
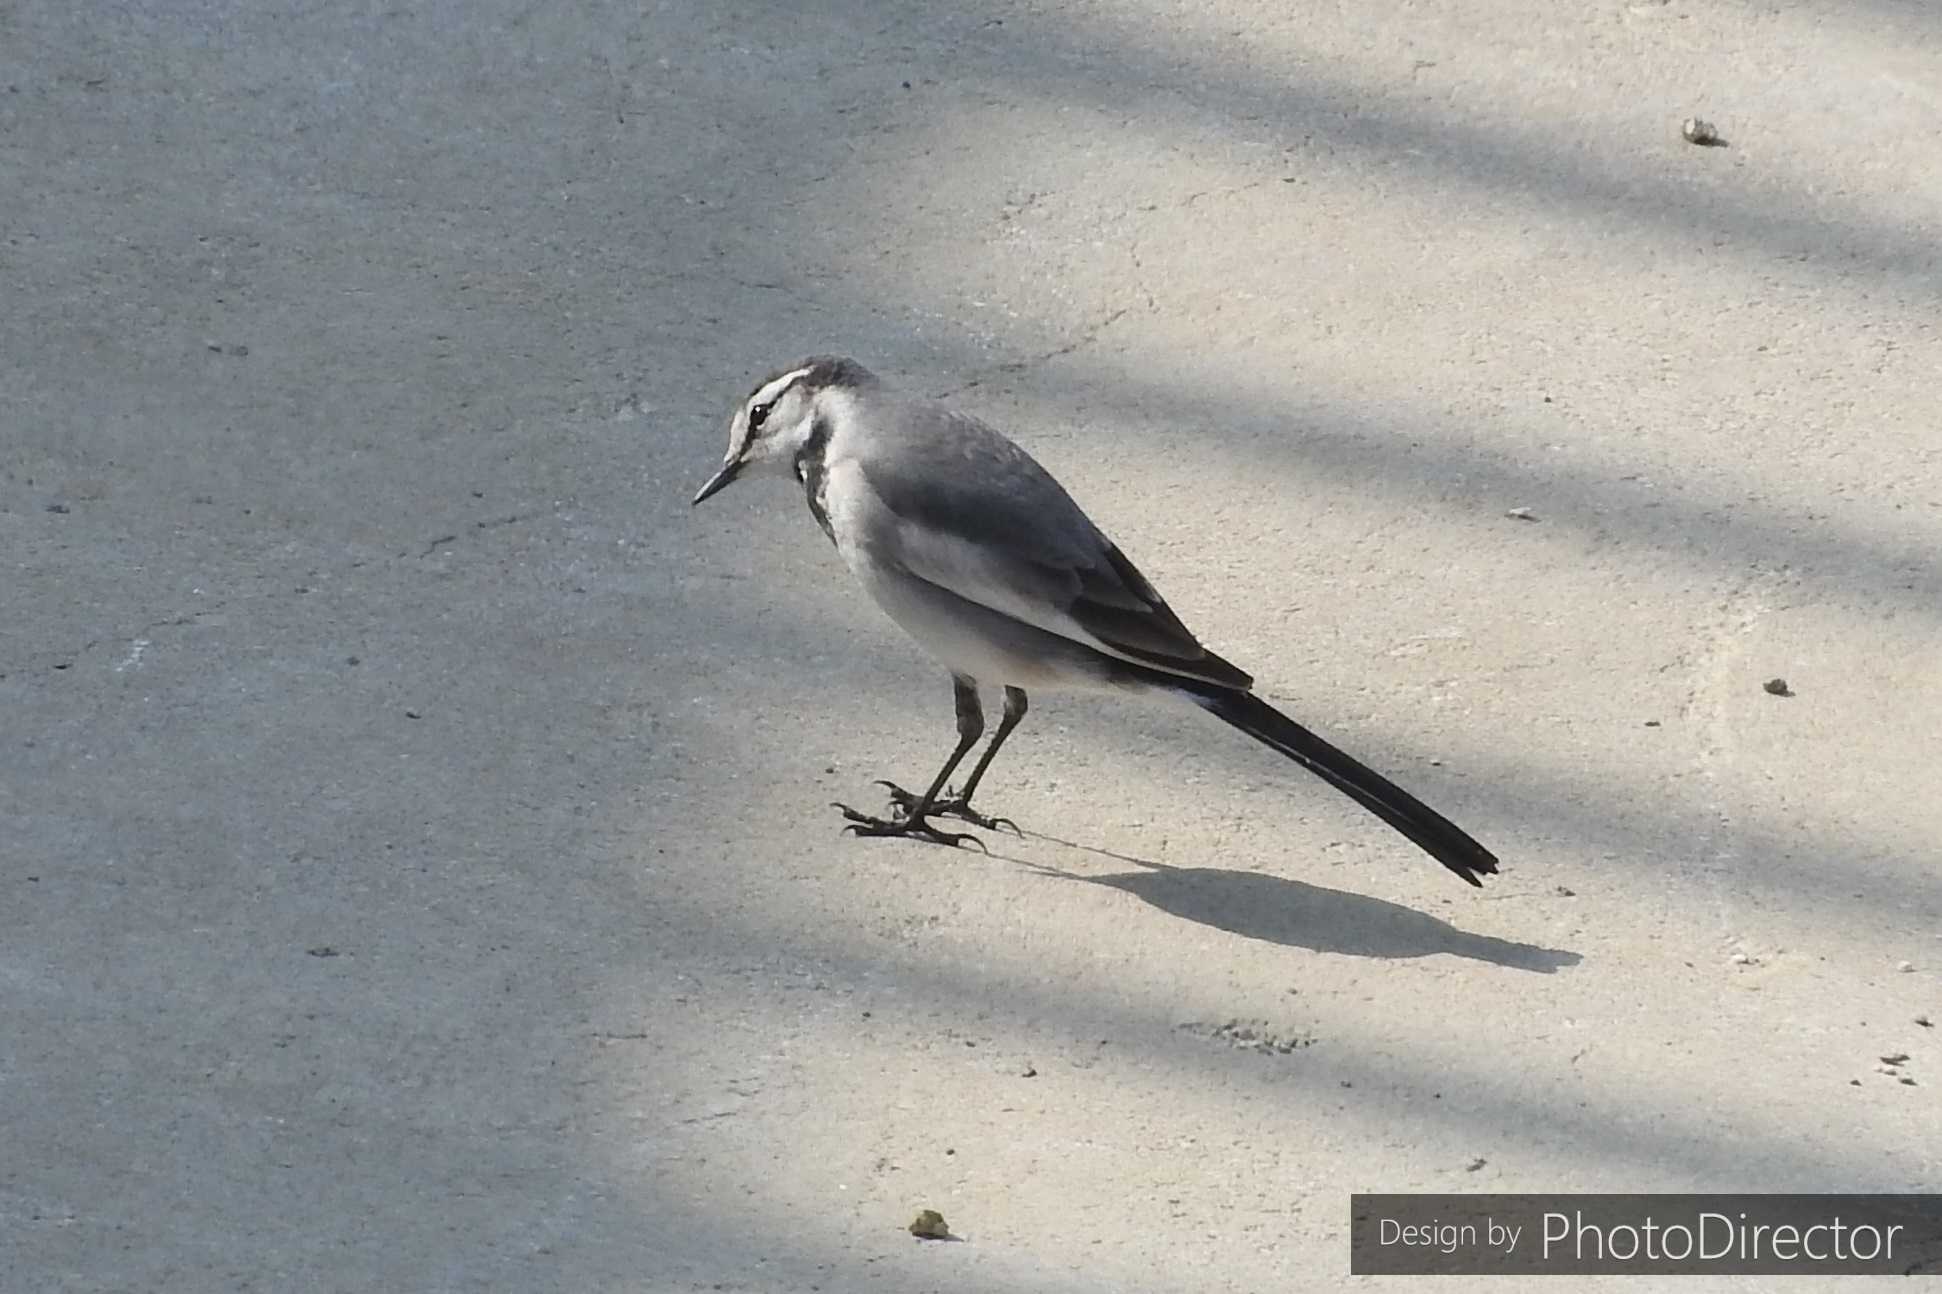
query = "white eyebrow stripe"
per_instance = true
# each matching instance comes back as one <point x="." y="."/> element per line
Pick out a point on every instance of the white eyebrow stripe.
<point x="774" y="389"/>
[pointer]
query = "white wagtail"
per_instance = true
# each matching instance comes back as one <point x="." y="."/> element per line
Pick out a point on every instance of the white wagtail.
<point x="971" y="546"/>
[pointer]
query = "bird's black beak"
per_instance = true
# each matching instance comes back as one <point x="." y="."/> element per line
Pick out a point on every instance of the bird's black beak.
<point x="719" y="481"/>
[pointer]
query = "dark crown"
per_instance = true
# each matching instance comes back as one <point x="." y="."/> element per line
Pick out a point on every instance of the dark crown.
<point x="825" y="371"/>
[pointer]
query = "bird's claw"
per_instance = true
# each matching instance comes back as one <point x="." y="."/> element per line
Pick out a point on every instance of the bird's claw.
<point x="862" y="824"/>
<point x="990" y="822"/>
<point x="950" y="806"/>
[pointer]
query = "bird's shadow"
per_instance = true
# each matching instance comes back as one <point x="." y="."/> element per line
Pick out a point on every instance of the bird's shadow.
<point x="1296" y="914"/>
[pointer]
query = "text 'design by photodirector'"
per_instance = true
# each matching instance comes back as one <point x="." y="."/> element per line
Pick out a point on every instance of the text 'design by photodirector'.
<point x="1645" y="1235"/>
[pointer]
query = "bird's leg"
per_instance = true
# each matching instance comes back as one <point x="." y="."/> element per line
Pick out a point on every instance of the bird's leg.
<point x="915" y="820"/>
<point x="959" y="805"/>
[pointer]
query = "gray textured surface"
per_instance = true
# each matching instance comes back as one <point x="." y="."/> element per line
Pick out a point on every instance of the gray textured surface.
<point x="356" y="362"/>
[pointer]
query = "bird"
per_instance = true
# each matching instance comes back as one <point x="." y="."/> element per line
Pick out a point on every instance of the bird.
<point x="972" y="547"/>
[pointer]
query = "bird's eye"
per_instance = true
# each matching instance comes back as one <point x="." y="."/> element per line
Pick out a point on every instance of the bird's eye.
<point x="759" y="414"/>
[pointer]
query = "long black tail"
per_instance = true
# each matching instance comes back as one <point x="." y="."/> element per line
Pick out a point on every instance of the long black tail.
<point x="1435" y="834"/>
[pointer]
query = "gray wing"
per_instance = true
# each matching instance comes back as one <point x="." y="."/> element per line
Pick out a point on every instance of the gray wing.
<point x="978" y="516"/>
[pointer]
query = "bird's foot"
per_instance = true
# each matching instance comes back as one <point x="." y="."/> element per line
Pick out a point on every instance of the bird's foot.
<point x="862" y="824"/>
<point x="949" y="805"/>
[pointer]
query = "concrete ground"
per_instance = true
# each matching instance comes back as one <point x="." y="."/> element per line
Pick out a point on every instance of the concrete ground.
<point x="414" y="835"/>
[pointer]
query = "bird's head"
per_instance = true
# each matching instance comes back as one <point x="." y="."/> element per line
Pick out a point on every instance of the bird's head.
<point x="785" y="418"/>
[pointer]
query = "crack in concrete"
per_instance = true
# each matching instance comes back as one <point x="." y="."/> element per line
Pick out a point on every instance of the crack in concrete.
<point x="1083" y="340"/>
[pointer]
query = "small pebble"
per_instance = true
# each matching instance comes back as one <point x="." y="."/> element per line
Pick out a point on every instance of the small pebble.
<point x="1695" y="130"/>
<point x="930" y="1225"/>
<point x="1566" y="892"/>
<point x="1777" y="687"/>
<point x="1906" y="1081"/>
<point x="1899" y="1058"/>
<point x="1925" y="1022"/>
<point x="1521" y="514"/>
<point x="1740" y="959"/>
<point x="1905" y="968"/>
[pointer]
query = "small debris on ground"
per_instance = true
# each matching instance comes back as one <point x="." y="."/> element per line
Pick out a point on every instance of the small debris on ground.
<point x="322" y="950"/>
<point x="1254" y="1036"/>
<point x="1566" y="892"/>
<point x="1475" y="1164"/>
<point x="1899" y="1058"/>
<point x="1925" y="1022"/>
<point x="1777" y="687"/>
<point x="1906" y="968"/>
<point x="930" y="1225"/>
<point x="1520" y="514"/>
<point x="1028" y="1071"/>
<point x="1696" y="130"/>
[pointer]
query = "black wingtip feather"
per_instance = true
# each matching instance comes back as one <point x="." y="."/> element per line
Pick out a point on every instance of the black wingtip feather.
<point x="1433" y="833"/>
